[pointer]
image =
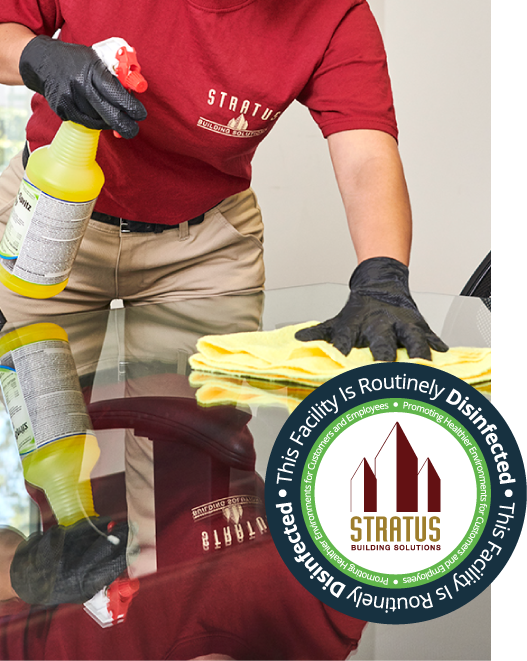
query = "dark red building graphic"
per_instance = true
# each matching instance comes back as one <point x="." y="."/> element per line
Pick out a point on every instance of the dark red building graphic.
<point x="365" y="474"/>
<point x="432" y="486"/>
<point x="396" y="472"/>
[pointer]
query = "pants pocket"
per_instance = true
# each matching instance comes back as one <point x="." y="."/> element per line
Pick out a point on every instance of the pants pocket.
<point x="242" y="216"/>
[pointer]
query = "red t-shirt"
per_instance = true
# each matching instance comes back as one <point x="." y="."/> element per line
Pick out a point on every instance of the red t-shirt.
<point x="220" y="73"/>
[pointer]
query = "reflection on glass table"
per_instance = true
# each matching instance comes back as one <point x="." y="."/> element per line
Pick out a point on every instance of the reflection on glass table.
<point x="177" y="510"/>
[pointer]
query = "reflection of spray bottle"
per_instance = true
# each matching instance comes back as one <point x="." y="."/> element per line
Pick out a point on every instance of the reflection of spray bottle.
<point x="57" y="195"/>
<point x="52" y="428"/>
<point x="110" y="606"/>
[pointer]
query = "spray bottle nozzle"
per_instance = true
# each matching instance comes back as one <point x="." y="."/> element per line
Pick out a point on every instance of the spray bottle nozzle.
<point x="128" y="70"/>
<point x="121" y="60"/>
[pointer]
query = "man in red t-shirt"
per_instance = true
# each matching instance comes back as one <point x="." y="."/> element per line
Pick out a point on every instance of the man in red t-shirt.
<point x="176" y="218"/>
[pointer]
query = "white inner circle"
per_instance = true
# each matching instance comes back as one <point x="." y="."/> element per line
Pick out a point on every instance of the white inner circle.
<point x="363" y="440"/>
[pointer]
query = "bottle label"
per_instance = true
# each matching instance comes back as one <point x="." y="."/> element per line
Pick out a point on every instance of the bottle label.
<point x="43" y="235"/>
<point x="42" y="394"/>
<point x="16" y="406"/>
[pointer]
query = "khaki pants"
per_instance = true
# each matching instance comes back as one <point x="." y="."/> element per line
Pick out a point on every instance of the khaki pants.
<point x="222" y="255"/>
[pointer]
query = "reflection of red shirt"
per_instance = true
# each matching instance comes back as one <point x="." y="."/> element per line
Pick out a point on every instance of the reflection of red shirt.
<point x="249" y="607"/>
<point x="237" y="599"/>
<point x="220" y="72"/>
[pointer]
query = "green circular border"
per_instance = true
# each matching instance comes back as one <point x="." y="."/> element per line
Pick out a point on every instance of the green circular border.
<point x="388" y="580"/>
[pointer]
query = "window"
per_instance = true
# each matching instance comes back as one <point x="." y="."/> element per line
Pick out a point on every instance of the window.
<point x="14" y="113"/>
<point x="15" y="503"/>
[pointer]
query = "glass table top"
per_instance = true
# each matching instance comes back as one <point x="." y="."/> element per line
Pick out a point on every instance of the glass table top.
<point x="164" y="551"/>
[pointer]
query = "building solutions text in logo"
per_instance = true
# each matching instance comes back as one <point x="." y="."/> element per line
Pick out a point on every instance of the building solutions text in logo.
<point x="395" y="493"/>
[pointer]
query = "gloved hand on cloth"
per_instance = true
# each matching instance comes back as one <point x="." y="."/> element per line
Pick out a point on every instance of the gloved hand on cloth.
<point x="380" y="313"/>
<point x="69" y="565"/>
<point x="78" y="86"/>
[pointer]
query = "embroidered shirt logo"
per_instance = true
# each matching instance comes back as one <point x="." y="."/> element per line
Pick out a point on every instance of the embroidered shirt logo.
<point x="237" y="126"/>
<point x="240" y="123"/>
<point x="223" y="505"/>
<point x="237" y="521"/>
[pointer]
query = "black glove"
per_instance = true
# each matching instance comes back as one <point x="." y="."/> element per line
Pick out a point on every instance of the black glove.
<point x="380" y="314"/>
<point x="68" y="565"/>
<point x="78" y="86"/>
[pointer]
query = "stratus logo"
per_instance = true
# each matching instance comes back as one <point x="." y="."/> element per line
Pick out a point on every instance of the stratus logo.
<point x="401" y="482"/>
<point x="244" y="110"/>
<point x="396" y="483"/>
<point x="235" y="128"/>
<point x="393" y="491"/>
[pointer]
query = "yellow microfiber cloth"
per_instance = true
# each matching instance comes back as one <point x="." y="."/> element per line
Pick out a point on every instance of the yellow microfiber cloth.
<point x="277" y="356"/>
<point x="217" y="390"/>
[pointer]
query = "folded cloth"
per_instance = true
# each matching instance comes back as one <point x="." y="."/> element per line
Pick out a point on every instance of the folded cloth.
<point x="217" y="390"/>
<point x="220" y="390"/>
<point x="277" y="356"/>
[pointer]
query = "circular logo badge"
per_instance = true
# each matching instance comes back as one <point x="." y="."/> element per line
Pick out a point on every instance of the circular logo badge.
<point x="395" y="493"/>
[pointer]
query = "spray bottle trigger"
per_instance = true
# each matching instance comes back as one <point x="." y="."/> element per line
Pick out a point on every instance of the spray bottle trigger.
<point x="128" y="72"/>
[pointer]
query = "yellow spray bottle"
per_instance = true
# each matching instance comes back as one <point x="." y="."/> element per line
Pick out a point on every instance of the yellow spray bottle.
<point x="51" y="213"/>
<point x="42" y="395"/>
<point x="57" y="196"/>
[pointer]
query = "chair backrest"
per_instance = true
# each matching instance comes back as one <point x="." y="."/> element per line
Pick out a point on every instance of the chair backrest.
<point x="501" y="280"/>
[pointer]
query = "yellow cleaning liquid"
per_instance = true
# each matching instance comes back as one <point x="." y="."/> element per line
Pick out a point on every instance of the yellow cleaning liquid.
<point x="52" y="428"/>
<point x="51" y="213"/>
<point x="62" y="470"/>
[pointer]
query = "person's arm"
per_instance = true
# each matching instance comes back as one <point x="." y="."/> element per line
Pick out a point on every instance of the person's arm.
<point x="13" y="39"/>
<point x="380" y="312"/>
<point x="373" y="188"/>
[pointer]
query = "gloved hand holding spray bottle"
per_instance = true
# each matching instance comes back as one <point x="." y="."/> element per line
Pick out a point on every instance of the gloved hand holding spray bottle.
<point x="62" y="180"/>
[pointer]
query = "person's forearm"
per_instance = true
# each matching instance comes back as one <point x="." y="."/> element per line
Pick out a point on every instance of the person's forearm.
<point x="13" y="39"/>
<point x="373" y="188"/>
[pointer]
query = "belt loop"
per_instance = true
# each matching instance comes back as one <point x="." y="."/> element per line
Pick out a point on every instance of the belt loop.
<point x="183" y="230"/>
<point x="25" y="154"/>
